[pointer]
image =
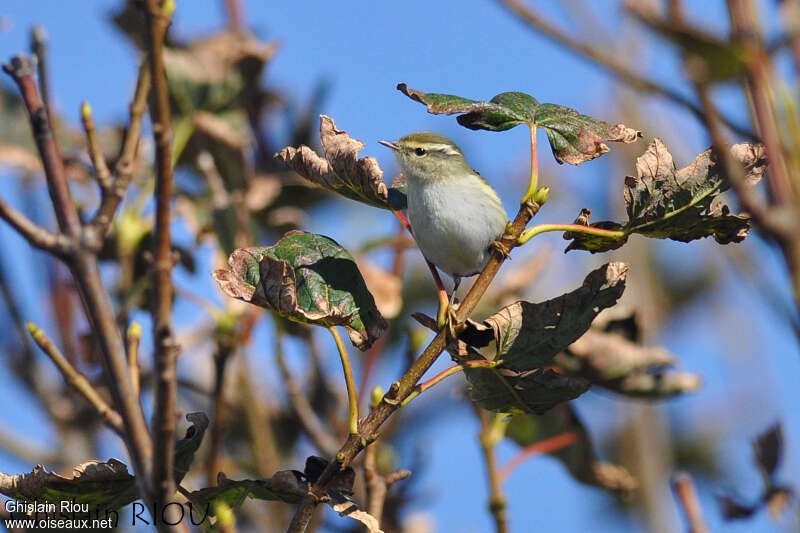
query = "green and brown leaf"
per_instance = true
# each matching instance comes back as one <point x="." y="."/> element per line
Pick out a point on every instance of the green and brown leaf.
<point x="679" y="204"/>
<point x="341" y="170"/>
<point x="574" y="138"/>
<point x="306" y="278"/>
<point x="528" y="335"/>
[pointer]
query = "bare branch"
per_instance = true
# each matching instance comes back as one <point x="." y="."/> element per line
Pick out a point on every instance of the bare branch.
<point x="37" y="236"/>
<point x="123" y="170"/>
<point x="22" y="69"/>
<point x="77" y="380"/>
<point x="95" y="151"/>
<point x="165" y="348"/>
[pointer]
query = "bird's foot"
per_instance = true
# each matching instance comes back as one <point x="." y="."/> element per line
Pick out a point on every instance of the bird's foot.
<point x="498" y="246"/>
<point x="447" y="319"/>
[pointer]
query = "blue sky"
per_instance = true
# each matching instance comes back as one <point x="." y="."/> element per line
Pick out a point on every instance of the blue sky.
<point x="746" y="355"/>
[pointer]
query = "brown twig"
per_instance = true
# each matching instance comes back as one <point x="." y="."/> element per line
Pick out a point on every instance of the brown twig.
<point x="378" y="484"/>
<point x="37" y="236"/>
<point x="165" y="348"/>
<point x="23" y="69"/>
<point x="218" y="428"/>
<point x="77" y="380"/>
<point x="235" y="13"/>
<point x="123" y="170"/>
<point x="609" y="62"/>
<point x="101" y="171"/>
<point x="537" y="448"/>
<point x="39" y="49"/>
<point x="497" y="499"/>
<point x="686" y="495"/>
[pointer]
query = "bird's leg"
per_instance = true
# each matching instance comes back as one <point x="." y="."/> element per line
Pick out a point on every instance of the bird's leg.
<point x="451" y="320"/>
<point x="441" y="316"/>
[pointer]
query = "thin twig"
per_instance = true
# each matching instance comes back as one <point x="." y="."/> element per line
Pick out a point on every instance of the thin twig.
<point x="77" y="380"/>
<point x="313" y="426"/>
<point x="101" y="171"/>
<point x="573" y="228"/>
<point x="39" y="49"/>
<point x="165" y="347"/>
<point x="609" y="62"/>
<point x="123" y="169"/>
<point x="537" y="448"/>
<point x="134" y="339"/>
<point x="497" y="499"/>
<point x="219" y="427"/>
<point x="37" y="236"/>
<point x="686" y="495"/>
<point x="22" y="69"/>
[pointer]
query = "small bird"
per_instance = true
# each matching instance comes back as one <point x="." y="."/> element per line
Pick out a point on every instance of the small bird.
<point x="455" y="215"/>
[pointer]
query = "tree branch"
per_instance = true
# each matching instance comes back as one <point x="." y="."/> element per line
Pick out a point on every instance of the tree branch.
<point x="165" y="348"/>
<point x="37" y="236"/>
<point x="22" y="69"/>
<point x="497" y="499"/>
<point x="101" y="171"/>
<point x="123" y="170"/>
<point x="77" y="380"/>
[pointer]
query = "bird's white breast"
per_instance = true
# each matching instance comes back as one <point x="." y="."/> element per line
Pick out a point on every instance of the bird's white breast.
<point x="454" y="225"/>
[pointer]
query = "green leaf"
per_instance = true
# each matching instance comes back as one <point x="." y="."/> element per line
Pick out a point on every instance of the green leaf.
<point x="307" y="278"/>
<point x="580" y="457"/>
<point x="341" y="171"/>
<point x="101" y="485"/>
<point x="679" y="204"/>
<point x="574" y="138"/>
<point x="529" y="335"/>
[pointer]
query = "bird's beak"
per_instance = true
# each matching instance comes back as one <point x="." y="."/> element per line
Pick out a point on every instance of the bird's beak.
<point x="391" y="144"/>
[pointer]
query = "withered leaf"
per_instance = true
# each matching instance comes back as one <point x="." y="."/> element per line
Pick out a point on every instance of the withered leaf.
<point x="533" y="391"/>
<point x="601" y="356"/>
<point x="574" y="138"/>
<point x="105" y="485"/>
<point x="679" y="204"/>
<point x="657" y="384"/>
<point x="504" y="390"/>
<point x="341" y="170"/>
<point x="102" y="485"/>
<point x="306" y="278"/>
<point x="580" y="457"/>
<point x="529" y="335"/>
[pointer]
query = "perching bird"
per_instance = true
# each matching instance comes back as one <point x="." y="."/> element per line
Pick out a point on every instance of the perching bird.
<point x="455" y="214"/>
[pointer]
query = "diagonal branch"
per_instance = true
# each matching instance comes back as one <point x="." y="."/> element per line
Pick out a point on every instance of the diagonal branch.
<point x="77" y="380"/>
<point x="37" y="236"/>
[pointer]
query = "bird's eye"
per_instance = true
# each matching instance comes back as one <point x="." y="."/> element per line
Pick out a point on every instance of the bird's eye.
<point x="420" y="151"/>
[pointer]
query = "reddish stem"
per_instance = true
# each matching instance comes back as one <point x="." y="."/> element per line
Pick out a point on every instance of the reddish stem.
<point x="537" y="448"/>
